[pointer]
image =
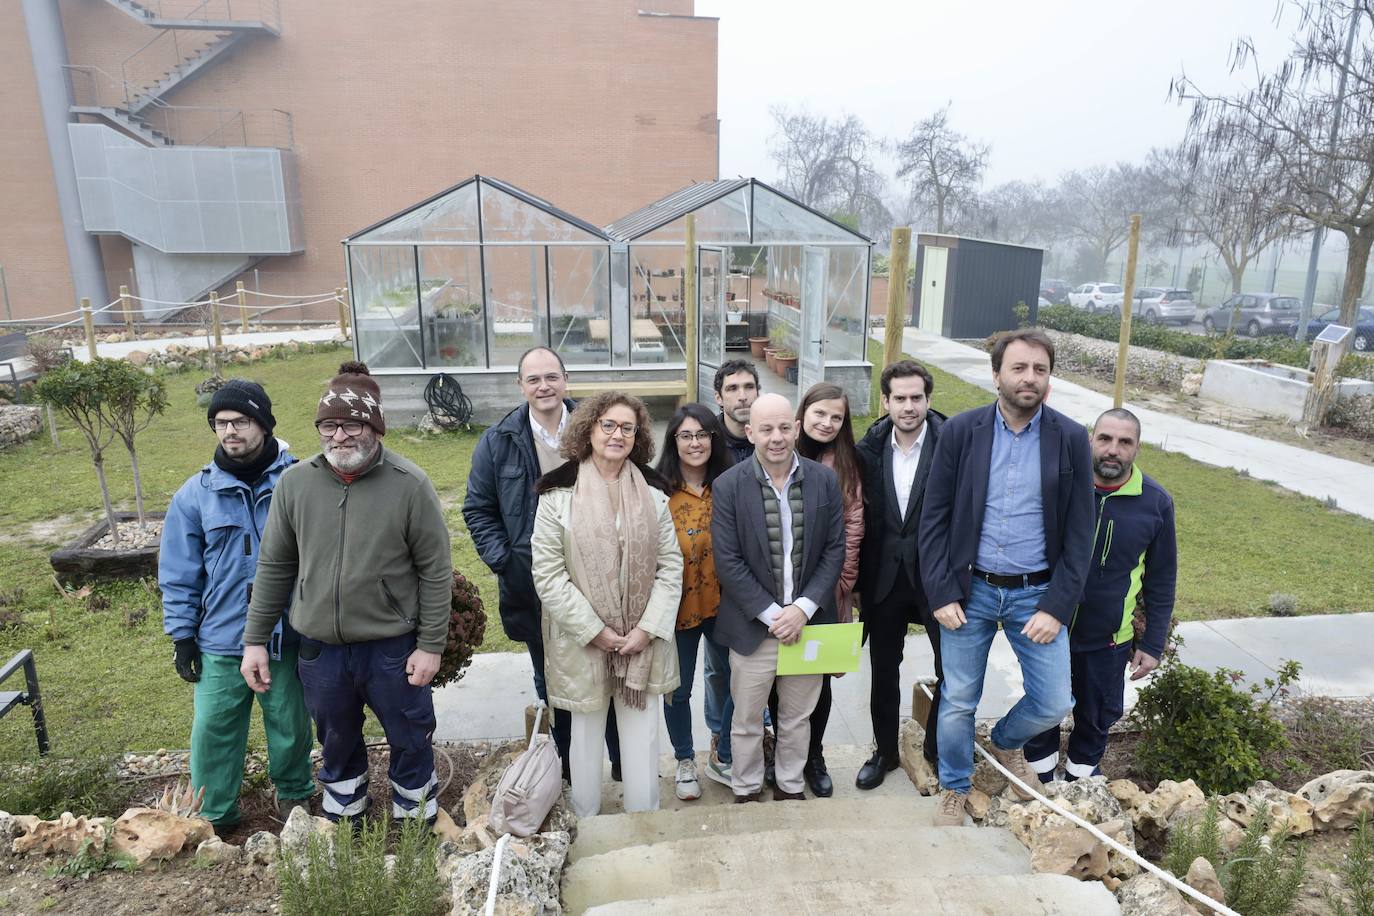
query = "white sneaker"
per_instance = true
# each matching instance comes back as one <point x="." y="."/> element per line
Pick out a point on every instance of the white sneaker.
<point x="718" y="771"/>
<point x="688" y="789"/>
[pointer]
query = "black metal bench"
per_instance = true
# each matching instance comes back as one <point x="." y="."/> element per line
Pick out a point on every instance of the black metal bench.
<point x="13" y="346"/>
<point x="29" y="696"/>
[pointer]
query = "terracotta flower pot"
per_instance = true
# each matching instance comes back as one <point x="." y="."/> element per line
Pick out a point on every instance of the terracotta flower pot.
<point x="782" y="363"/>
<point x="769" y="358"/>
<point x="756" y="345"/>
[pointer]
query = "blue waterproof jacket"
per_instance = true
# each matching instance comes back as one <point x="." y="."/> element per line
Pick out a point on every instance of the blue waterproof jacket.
<point x="209" y="555"/>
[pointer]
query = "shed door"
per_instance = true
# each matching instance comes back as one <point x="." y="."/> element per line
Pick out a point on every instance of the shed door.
<point x="811" y="364"/>
<point x="711" y="280"/>
<point x="933" y="290"/>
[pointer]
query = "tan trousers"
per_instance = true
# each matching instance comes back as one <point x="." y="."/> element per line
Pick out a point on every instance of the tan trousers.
<point x="751" y="680"/>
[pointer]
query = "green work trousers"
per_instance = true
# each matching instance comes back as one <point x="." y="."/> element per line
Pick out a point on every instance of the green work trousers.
<point x="219" y="734"/>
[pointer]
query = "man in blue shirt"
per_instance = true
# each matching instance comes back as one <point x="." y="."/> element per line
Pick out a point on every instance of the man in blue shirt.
<point x="1004" y="539"/>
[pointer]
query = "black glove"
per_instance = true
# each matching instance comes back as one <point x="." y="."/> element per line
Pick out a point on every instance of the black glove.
<point x="188" y="659"/>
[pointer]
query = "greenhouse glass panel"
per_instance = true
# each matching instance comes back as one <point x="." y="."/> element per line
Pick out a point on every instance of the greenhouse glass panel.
<point x="658" y="321"/>
<point x="517" y="302"/>
<point x="846" y="280"/>
<point x="580" y="304"/>
<point x="506" y="218"/>
<point x="454" y="323"/>
<point x="780" y="221"/>
<point x="722" y="222"/>
<point x="451" y="217"/>
<point x="386" y="305"/>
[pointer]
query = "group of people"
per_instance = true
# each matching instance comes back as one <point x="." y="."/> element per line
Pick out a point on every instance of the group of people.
<point x="617" y="571"/>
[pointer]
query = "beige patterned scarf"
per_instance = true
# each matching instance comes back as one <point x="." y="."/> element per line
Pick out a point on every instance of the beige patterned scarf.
<point x="614" y="565"/>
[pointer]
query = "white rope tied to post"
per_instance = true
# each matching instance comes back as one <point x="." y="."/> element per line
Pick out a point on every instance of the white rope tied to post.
<point x="184" y="305"/>
<point x="321" y="296"/>
<point x="49" y="317"/>
<point x="1166" y="877"/>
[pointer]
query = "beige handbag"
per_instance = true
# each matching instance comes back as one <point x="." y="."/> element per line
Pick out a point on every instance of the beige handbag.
<point x="530" y="786"/>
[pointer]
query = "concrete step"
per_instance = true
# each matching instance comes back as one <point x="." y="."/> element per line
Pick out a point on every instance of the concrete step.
<point x="603" y="834"/>
<point x="1001" y="895"/>
<point x="757" y="863"/>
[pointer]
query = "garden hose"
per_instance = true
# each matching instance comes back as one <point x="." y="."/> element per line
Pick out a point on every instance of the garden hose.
<point x="450" y="408"/>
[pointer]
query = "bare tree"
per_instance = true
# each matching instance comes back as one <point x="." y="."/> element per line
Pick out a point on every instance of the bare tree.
<point x="1095" y="206"/>
<point x="827" y="164"/>
<point x="1230" y="198"/>
<point x="1020" y="212"/>
<point x="944" y="167"/>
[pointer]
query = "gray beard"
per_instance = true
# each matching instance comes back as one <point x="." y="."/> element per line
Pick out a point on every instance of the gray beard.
<point x="1107" y="473"/>
<point x="349" y="465"/>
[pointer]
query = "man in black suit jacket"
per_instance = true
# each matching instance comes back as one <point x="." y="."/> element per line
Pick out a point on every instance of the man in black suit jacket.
<point x="777" y="532"/>
<point x="897" y="453"/>
<point x="1005" y="536"/>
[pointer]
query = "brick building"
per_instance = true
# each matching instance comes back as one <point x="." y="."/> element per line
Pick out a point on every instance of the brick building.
<point x="179" y="145"/>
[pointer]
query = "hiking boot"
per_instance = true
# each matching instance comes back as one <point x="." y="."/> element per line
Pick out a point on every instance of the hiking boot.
<point x="717" y="770"/>
<point x="949" y="810"/>
<point x="1016" y="764"/>
<point x="688" y="789"/>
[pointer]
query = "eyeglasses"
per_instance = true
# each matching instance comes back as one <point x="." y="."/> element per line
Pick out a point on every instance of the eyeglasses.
<point x="552" y="378"/>
<point x="701" y="435"/>
<point x="610" y="426"/>
<point x="239" y="423"/>
<point x="330" y="427"/>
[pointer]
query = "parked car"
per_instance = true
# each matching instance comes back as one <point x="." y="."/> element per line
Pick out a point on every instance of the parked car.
<point x="1098" y="297"/>
<point x="1256" y="314"/>
<point x="1056" y="291"/>
<point x="1158" y="304"/>
<point x="1363" y="339"/>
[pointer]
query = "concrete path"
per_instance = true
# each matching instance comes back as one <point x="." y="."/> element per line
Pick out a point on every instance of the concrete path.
<point x="1334" y="651"/>
<point x="251" y="339"/>
<point x="1311" y="473"/>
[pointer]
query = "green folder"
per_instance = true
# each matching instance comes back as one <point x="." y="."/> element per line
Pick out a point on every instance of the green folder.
<point x="827" y="648"/>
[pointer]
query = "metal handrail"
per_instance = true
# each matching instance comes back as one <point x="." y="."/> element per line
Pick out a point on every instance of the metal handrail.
<point x="30" y="696"/>
<point x="160" y="10"/>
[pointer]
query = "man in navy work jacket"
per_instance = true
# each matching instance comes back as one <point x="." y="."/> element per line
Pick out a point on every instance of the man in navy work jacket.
<point x="1005" y="534"/>
<point x="1134" y="560"/>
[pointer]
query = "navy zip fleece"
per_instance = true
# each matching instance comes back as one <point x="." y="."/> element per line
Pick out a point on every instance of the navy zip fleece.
<point x="1135" y="556"/>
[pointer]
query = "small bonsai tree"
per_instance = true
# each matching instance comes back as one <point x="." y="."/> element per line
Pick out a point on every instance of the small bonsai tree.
<point x="82" y="391"/>
<point x="135" y="398"/>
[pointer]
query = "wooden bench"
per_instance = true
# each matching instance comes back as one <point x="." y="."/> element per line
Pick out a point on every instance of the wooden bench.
<point x="656" y="388"/>
<point x="27" y="697"/>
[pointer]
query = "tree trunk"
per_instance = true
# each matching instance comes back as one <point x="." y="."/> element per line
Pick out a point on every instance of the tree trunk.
<point x="1323" y="384"/>
<point x="138" y="485"/>
<point x="99" y="461"/>
<point x="1237" y="272"/>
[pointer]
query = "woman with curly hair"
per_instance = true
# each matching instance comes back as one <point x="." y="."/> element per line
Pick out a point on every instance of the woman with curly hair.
<point x="608" y="572"/>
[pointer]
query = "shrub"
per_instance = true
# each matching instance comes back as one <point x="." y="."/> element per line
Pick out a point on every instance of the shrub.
<point x="1196" y="836"/>
<point x="1357" y="874"/>
<point x="1258" y="877"/>
<point x="1198" y="725"/>
<point x="1283" y="605"/>
<point x="1355" y="365"/>
<point x="82" y="786"/>
<point x="467" y="627"/>
<point x="1326" y="734"/>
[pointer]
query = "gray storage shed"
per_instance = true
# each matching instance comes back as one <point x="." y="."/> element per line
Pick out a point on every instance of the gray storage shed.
<point x="969" y="288"/>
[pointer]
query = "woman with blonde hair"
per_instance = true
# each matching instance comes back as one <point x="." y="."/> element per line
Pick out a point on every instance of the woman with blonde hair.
<point x="608" y="572"/>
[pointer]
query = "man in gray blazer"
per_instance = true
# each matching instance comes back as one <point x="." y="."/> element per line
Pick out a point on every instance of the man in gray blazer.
<point x="777" y="532"/>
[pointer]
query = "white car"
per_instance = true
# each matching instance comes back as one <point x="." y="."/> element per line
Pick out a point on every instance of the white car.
<point x="1097" y="297"/>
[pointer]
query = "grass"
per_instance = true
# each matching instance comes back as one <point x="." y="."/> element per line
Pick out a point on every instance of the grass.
<point x="106" y="666"/>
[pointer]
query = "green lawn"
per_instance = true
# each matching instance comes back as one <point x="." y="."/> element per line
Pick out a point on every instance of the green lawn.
<point x="109" y="686"/>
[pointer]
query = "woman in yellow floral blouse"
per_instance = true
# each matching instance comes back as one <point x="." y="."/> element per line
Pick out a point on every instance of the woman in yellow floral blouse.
<point x="693" y="454"/>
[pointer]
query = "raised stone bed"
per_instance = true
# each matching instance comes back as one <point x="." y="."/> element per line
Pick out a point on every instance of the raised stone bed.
<point x="18" y="424"/>
<point x="81" y="560"/>
<point x="1268" y="387"/>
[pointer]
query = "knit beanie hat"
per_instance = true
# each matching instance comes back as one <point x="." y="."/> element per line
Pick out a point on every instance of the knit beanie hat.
<point x="248" y="398"/>
<point x="353" y="395"/>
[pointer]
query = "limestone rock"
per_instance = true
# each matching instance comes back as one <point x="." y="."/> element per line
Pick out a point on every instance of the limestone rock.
<point x="977" y="804"/>
<point x="1170" y="799"/>
<point x="988" y="778"/>
<point x="1060" y="847"/>
<point x="137" y="358"/>
<point x="1202" y="877"/>
<point x="1127" y="793"/>
<point x="1146" y="895"/>
<point x="65" y="835"/>
<point x="148" y="834"/>
<point x="300" y="826"/>
<point x="19" y="423"/>
<point x="910" y="741"/>
<point x="529" y="882"/>
<point x="215" y="851"/>
<point x="445" y="828"/>
<point x="1338" y="799"/>
<point x="1191" y="384"/>
<point x="10" y="827"/>
<point x="561" y="818"/>
<point x="477" y="798"/>
<point x="476" y="836"/>
<point x="1288" y="813"/>
<point x="262" y="848"/>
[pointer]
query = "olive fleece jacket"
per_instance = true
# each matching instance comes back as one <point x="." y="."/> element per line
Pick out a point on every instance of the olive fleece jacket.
<point x="354" y="562"/>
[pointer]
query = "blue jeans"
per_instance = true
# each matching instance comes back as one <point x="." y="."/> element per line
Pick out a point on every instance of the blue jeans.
<point x="678" y="713"/>
<point x="1044" y="670"/>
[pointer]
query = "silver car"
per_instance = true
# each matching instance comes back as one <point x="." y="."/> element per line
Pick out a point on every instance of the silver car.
<point x="1164" y="305"/>
<point x="1255" y="314"/>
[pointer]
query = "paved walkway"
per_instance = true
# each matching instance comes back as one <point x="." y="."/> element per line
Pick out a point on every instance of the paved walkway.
<point x="1311" y="473"/>
<point x="1334" y="651"/>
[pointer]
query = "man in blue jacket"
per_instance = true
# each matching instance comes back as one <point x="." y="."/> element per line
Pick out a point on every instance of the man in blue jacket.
<point x="206" y="565"/>
<point x="499" y="512"/>
<point x="1004" y="540"/>
<point x="1134" y="561"/>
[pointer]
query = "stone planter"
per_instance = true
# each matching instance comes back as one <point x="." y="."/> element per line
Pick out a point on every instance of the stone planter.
<point x="79" y="561"/>
<point x="756" y="345"/>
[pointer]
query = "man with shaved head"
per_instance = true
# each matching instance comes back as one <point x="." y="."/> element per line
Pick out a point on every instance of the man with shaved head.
<point x="777" y="532"/>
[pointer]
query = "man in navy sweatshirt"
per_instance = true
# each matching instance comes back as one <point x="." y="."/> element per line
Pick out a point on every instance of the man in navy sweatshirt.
<point x="1134" y="560"/>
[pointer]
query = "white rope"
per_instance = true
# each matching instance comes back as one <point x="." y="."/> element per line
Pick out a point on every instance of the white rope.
<point x="321" y="296"/>
<point x="170" y="302"/>
<point x="64" y="324"/>
<point x="490" y="908"/>
<point x="1126" y="851"/>
<point x="47" y="317"/>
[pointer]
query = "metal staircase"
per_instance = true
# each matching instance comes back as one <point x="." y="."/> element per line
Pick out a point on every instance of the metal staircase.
<point x="129" y="123"/>
<point x="215" y="16"/>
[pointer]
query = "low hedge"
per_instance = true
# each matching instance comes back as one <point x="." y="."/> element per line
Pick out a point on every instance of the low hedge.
<point x="1181" y="343"/>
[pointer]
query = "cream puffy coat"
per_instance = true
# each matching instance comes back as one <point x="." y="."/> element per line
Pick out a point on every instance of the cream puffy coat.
<point x="574" y="672"/>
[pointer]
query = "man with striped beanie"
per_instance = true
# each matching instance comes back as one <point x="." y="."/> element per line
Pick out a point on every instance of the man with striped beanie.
<point x="356" y="547"/>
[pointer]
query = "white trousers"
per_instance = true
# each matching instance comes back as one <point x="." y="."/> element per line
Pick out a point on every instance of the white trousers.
<point x="638" y="729"/>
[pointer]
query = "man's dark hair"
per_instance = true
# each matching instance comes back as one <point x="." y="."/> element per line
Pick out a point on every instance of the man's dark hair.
<point x="731" y="367"/>
<point x="905" y="368"/>
<point x="1033" y="336"/>
<point x="520" y="363"/>
<point x="1121" y="413"/>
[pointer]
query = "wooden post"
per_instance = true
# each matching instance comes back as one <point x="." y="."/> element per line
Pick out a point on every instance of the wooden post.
<point x="88" y="319"/>
<point x="342" y="299"/>
<point x="896" y="295"/>
<point x="1127" y="299"/>
<point x="215" y="322"/>
<point x="243" y="305"/>
<point x="689" y="305"/>
<point x="126" y="303"/>
<point x="1323" y="361"/>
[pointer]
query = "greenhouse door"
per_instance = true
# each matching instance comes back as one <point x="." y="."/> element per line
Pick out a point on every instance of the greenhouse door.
<point x="711" y="282"/>
<point x="811" y="365"/>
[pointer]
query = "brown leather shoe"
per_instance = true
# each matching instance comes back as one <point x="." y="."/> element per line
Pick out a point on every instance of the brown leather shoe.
<point x="751" y="797"/>
<point x="1015" y="762"/>
<point x="949" y="810"/>
<point x="780" y="795"/>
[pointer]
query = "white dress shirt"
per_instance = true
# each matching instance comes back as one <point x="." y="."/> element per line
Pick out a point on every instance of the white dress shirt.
<point x="905" y="464"/>
<point x="550" y="440"/>
<point x="809" y="607"/>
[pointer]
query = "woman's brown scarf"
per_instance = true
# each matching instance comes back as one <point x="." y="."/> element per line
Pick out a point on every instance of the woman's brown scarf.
<point x="614" y="565"/>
